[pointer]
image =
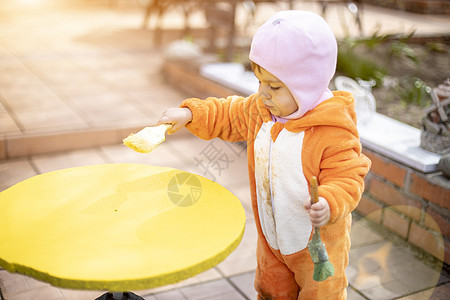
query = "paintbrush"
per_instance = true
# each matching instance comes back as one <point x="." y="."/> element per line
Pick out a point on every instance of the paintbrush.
<point x="322" y="265"/>
<point x="147" y="139"/>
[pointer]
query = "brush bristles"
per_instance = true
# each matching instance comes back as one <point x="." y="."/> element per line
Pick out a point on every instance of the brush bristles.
<point x="147" y="139"/>
<point x="138" y="144"/>
<point x="323" y="270"/>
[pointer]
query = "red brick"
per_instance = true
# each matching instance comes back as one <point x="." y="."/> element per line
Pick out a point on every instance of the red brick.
<point x="429" y="191"/>
<point x="411" y="209"/>
<point x="370" y="209"/>
<point x="428" y="240"/>
<point x="447" y="252"/>
<point x="437" y="222"/>
<point x="396" y="222"/>
<point x="440" y="292"/>
<point x="386" y="169"/>
<point x="392" y="196"/>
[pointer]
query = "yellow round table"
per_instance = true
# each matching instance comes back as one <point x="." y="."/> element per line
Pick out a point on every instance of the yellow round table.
<point x="117" y="227"/>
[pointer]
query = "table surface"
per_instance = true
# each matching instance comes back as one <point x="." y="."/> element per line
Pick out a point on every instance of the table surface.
<point x="117" y="227"/>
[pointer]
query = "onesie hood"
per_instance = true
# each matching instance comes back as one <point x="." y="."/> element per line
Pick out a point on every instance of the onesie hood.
<point x="300" y="49"/>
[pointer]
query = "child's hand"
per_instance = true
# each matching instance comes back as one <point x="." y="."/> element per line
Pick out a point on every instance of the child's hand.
<point x="176" y="116"/>
<point x="319" y="213"/>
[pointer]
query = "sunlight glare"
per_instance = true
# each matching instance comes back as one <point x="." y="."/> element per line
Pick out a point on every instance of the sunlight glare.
<point x="31" y="2"/>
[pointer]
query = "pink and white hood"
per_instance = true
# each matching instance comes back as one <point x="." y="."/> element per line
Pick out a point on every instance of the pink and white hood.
<point x="300" y="49"/>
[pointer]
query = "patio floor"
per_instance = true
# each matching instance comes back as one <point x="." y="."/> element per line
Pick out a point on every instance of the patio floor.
<point x="77" y="77"/>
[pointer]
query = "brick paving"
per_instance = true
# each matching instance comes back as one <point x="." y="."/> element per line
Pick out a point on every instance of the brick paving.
<point x="76" y="78"/>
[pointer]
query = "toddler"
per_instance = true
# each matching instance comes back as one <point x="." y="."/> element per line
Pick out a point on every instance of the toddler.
<point x="295" y="128"/>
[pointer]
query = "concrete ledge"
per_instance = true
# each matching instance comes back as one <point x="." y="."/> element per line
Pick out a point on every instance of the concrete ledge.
<point x="2" y="148"/>
<point x="390" y="137"/>
<point x="399" y="142"/>
<point x="185" y="76"/>
<point x="17" y="146"/>
<point x="26" y="145"/>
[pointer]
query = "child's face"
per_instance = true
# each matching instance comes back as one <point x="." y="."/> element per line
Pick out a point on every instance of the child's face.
<point x="275" y="95"/>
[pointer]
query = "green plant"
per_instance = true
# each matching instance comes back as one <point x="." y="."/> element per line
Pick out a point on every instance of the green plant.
<point x="377" y="39"/>
<point x="399" y="49"/>
<point x="414" y="91"/>
<point x="374" y="40"/>
<point x="436" y="47"/>
<point x="355" y="65"/>
<point x="354" y="61"/>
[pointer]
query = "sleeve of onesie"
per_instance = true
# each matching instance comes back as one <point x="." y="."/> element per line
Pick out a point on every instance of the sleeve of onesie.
<point x="225" y="118"/>
<point x="342" y="171"/>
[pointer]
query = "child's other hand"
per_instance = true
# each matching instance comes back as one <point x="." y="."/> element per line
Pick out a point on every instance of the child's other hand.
<point x="319" y="213"/>
<point x="176" y="116"/>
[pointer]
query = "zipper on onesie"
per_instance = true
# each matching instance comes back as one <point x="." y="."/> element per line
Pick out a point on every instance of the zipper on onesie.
<point x="270" y="178"/>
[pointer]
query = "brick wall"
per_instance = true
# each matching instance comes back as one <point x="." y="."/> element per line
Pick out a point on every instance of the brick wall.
<point x="413" y="205"/>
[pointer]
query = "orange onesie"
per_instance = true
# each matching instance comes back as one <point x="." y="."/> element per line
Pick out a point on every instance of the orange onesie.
<point x="282" y="158"/>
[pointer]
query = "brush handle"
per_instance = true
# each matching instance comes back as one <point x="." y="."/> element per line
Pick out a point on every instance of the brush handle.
<point x="314" y="199"/>
<point x="168" y="125"/>
<point x="313" y="190"/>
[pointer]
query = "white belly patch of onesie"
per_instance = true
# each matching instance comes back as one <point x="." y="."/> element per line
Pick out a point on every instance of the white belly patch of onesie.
<point x="281" y="190"/>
